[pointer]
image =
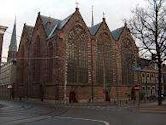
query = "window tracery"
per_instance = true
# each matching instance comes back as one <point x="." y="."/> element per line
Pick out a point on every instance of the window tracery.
<point x="104" y="71"/>
<point x="50" y="61"/>
<point x="128" y="62"/>
<point x="36" y="61"/>
<point x="77" y="69"/>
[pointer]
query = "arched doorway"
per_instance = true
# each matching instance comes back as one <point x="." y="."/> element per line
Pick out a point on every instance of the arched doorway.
<point x="73" y="97"/>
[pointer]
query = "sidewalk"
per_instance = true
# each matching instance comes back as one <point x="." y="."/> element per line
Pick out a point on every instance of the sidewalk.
<point x="58" y="103"/>
<point x="144" y="107"/>
<point x="83" y="104"/>
<point x="153" y="108"/>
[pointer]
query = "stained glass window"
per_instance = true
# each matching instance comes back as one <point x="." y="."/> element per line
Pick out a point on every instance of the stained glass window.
<point x="36" y="61"/>
<point x="104" y="71"/>
<point x="50" y="61"/>
<point x="128" y="62"/>
<point x="77" y="69"/>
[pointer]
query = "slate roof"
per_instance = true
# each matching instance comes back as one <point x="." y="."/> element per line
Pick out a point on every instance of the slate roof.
<point x="142" y="63"/>
<point x="94" y="29"/>
<point x="116" y="33"/>
<point x="51" y="24"/>
<point x="63" y="22"/>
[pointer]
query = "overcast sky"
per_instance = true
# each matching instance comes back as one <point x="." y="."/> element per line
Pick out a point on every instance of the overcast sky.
<point x="26" y="12"/>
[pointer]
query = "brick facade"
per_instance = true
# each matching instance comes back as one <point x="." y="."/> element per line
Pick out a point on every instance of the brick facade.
<point x="148" y="78"/>
<point x="49" y="51"/>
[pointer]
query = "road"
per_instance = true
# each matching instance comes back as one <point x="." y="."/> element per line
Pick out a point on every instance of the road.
<point x="27" y="113"/>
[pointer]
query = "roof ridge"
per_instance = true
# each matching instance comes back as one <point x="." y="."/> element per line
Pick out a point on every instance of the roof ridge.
<point x="94" y="29"/>
<point x="96" y="24"/>
<point x="64" y="21"/>
<point x="118" y="28"/>
<point x="30" y="26"/>
<point x="49" y="17"/>
<point x="117" y="32"/>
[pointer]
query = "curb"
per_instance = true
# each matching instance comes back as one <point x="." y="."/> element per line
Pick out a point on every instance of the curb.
<point x="153" y="109"/>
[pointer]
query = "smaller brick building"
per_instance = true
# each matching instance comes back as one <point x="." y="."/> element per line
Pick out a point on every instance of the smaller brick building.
<point x="148" y="78"/>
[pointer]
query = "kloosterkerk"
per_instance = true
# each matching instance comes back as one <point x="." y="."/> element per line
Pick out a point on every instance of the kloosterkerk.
<point x="66" y="60"/>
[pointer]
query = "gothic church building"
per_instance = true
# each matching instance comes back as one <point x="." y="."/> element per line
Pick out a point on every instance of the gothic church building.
<point x="67" y="60"/>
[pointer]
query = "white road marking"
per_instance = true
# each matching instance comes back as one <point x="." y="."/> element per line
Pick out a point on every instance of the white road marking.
<point x="84" y="119"/>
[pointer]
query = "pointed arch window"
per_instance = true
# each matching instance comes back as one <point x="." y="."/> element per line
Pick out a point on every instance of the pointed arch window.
<point x="21" y="65"/>
<point x="50" y="61"/>
<point x="104" y="73"/>
<point x="128" y="62"/>
<point x="100" y="64"/>
<point x="36" y="61"/>
<point x="77" y="56"/>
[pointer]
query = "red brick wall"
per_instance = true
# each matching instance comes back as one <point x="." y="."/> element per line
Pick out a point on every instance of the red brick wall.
<point x="54" y="89"/>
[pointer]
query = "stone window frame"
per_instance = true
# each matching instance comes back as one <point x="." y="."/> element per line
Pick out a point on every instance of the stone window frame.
<point x="50" y="61"/>
<point x="104" y="60"/>
<point x="77" y="64"/>
<point x="36" y="61"/>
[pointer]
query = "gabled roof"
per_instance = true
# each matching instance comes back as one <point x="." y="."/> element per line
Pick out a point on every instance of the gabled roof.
<point x="95" y="28"/>
<point x="116" y="33"/>
<point x="51" y="24"/>
<point x="142" y="63"/>
<point x="63" y="22"/>
<point x="148" y="64"/>
<point x="29" y="30"/>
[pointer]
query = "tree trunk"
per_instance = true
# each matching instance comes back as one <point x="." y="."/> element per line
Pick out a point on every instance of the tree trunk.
<point x="158" y="49"/>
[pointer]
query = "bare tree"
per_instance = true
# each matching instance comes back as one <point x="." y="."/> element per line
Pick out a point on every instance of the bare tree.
<point x="148" y="26"/>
